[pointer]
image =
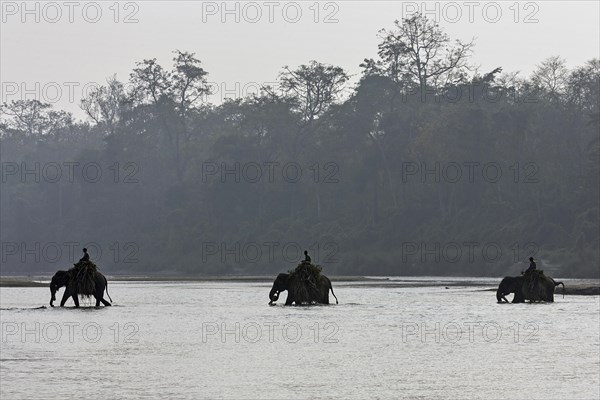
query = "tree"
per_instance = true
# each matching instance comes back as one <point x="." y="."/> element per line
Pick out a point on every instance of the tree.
<point x="150" y="81"/>
<point x="175" y="95"/>
<point x="188" y="86"/>
<point x="551" y="77"/>
<point x="584" y="87"/>
<point x="104" y="104"/>
<point x="34" y="118"/>
<point x="313" y="87"/>
<point x="418" y="50"/>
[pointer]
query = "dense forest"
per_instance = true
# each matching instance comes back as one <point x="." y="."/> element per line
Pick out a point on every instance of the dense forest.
<point x="421" y="165"/>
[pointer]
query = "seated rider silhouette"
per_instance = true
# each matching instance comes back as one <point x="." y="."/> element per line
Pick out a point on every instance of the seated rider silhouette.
<point x="306" y="257"/>
<point x="532" y="265"/>
<point x="86" y="257"/>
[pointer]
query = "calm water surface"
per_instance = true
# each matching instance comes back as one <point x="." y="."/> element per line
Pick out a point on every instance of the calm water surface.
<point x="222" y="340"/>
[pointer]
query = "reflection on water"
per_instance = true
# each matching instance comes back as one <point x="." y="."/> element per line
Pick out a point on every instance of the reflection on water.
<point x="222" y="340"/>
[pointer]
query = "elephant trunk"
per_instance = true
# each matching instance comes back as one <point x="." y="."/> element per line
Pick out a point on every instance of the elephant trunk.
<point x="274" y="294"/>
<point x="52" y="297"/>
<point x="499" y="295"/>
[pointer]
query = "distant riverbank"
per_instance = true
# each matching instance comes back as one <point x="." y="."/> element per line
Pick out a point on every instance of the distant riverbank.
<point x="584" y="287"/>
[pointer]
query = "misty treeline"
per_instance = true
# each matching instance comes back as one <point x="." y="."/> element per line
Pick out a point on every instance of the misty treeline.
<point x="425" y="166"/>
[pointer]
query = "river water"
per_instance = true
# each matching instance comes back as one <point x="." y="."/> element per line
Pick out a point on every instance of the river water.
<point x="195" y="340"/>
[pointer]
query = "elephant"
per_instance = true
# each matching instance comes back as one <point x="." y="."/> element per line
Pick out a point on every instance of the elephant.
<point x="542" y="289"/>
<point x="284" y="282"/>
<point x="62" y="278"/>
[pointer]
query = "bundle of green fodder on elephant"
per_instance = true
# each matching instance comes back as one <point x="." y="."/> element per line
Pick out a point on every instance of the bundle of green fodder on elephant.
<point x="82" y="277"/>
<point x="307" y="277"/>
<point x="533" y="286"/>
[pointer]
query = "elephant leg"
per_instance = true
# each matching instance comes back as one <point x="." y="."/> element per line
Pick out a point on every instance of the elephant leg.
<point x="66" y="295"/>
<point x="76" y="300"/>
<point x="100" y="298"/>
<point x="289" y="301"/>
<point x="519" y="298"/>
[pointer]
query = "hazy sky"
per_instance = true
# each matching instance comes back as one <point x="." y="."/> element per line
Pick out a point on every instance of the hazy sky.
<point x="65" y="50"/>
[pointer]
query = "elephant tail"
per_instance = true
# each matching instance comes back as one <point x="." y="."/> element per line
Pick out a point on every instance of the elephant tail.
<point x="559" y="283"/>
<point x="331" y="288"/>
<point x="106" y="283"/>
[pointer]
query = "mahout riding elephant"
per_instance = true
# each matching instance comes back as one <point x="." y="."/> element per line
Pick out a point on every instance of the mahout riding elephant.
<point x="537" y="287"/>
<point x="293" y="285"/>
<point x="65" y="278"/>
